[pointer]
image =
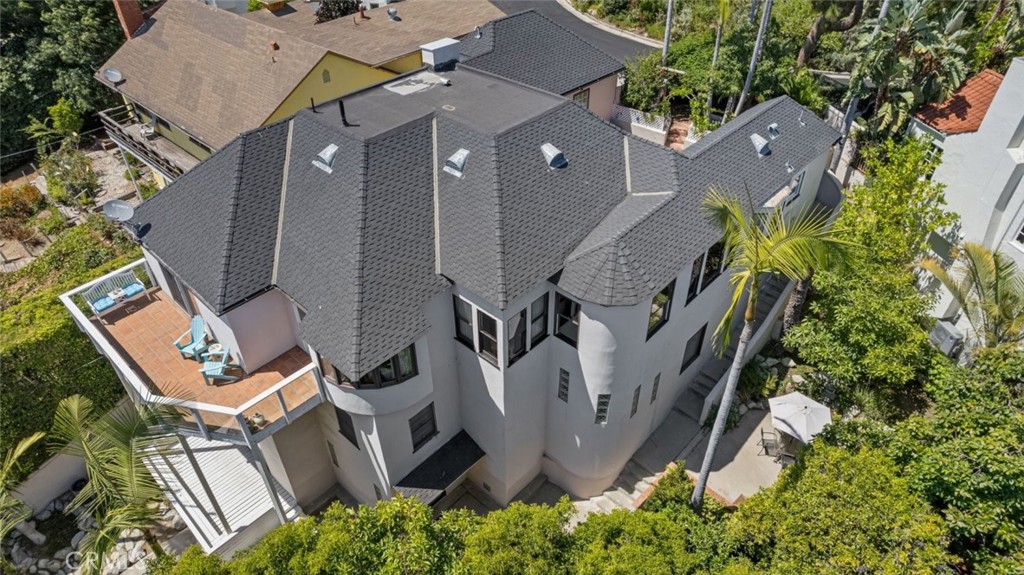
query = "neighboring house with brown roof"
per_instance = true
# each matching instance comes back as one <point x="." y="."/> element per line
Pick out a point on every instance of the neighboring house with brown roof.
<point x="193" y="76"/>
<point x="980" y="131"/>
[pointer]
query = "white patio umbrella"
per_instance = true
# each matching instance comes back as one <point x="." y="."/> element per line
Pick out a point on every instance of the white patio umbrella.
<point x="797" y="415"/>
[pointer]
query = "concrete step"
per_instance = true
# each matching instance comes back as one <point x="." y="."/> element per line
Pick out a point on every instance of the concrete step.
<point x="604" y="504"/>
<point x="531" y="488"/>
<point x="691" y="404"/>
<point x="639" y="470"/>
<point x="620" y="498"/>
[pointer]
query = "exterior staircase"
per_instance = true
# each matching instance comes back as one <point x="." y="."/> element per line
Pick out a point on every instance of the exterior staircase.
<point x="627" y="492"/>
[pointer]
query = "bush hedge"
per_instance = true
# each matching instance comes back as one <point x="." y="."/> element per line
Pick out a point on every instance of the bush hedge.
<point x="43" y="356"/>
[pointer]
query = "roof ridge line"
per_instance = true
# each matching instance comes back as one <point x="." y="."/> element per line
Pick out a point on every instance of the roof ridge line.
<point x="615" y="238"/>
<point x="500" y="230"/>
<point x="737" y="124"/>
<point x="236" y="181"/>
<point x="360" y="245"/>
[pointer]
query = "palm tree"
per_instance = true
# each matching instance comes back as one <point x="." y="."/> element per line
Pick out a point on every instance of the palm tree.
<point x="120" y="493"/>
<point x="12" y="510"/>
<point x="756" y="246"/>
<point x="724" y="11"/>
<point x="990" y="291"/>
<point x="758" y="47"/>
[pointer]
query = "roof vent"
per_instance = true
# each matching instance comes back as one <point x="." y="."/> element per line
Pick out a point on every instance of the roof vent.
<point x="456" y="163"/>
<point x="113" y="75"/>
<point x="789" y="168"/>
<point x="393" y="15"/>
<point x="773" y="130"/>
<point x="478" y="33"/>
<point x="325" y="159"/>
<point x="760" y="144"/>
<point x="554" y="157"/>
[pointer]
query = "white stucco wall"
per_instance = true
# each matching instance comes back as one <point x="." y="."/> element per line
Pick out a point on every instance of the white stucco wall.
<point x="257" y="331"/>
<point x="298" y="458"/>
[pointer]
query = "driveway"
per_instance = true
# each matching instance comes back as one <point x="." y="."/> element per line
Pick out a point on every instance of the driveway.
<point x="616" y="46"/>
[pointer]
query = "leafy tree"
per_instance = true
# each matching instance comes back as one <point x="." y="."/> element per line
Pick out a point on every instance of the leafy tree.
<point x="521" y="540"/>
<point x="967" y="459"/>
<point x="334" y="9"/>
<point x="192" y="562"/>
<point x="989" y="289"/>
<point x="82" y="35"/>
<point x="120" y="493"/>
<point x="69" y="175"/>
<point x="627" y="542"/>
<point x="645" y="83"/>
<point x="64" y="123"/>
<point x="26" y="76"/>
<point x="754" y="247"/>
<point x="1001" y="38"/>
<point x="840" y="512"/>
<point x="833" y="16"/>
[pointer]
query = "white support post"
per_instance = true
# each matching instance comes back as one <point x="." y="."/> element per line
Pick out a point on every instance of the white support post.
<point x="284" y="406"/>
<point x="201" y="424"/>
<point x="261" y="466"/>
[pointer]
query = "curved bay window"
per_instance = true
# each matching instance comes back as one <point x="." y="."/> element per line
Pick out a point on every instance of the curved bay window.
<point x="393" y="371"/>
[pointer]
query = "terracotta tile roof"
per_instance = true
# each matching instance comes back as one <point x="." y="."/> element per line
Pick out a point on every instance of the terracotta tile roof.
<point x="966" y="108"/>
<point x="379" y="40"/>
<point x="209" y="71"/>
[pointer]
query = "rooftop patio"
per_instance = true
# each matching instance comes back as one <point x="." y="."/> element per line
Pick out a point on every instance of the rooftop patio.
<point x="138" y="337"/>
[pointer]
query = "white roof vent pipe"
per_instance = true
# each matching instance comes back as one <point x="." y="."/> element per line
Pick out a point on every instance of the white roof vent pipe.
<point x="456" y="163"/>
<point x="760" y="144"/>
<point x="773" y="130"/>
<point x="553" y="156"/>
<point x="325" y="159"/>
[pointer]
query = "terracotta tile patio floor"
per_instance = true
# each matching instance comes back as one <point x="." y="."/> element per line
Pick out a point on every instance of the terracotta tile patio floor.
<point x="145" y="330"/>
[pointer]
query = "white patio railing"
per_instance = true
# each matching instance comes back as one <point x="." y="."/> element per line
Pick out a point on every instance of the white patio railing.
<point x="629" y="116"/>
<point x="211" y="421"/>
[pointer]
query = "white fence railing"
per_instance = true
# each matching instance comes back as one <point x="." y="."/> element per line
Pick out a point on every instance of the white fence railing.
<point x="629" y="116"/>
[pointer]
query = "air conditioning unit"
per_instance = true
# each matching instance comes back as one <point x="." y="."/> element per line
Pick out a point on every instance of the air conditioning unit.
<point x="947" y="338"/>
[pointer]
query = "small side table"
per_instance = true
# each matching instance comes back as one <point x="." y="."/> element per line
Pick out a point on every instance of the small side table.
<point x="215" y="348"/>
<point x="116" y="295"/>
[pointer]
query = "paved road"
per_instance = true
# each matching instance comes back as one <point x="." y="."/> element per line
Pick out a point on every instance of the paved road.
<point x="617" y="46"/>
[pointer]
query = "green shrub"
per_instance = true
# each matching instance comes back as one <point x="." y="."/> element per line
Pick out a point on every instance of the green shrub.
<point x="20" y="202"/>
<point x="69" y="174"/>
<point x="630" y="542"/>
<point x="655" y="30"/>
<point x="757" y="381"/>
<point x="521" y="540"/>
<point x="148" y="189"/>
<point x="53" y="223"/>
<point x="132" y="174"/>
<point x="192" y="562"/>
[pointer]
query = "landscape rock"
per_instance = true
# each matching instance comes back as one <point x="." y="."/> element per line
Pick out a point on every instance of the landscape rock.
<point x="18" y="555"/>
<point x="771" y="361"/>
<point x="63" y="553"/>
<point x="77" y="539"/>
<point x="136" y="554"/>
<point x="53" y="565"/>
<point x="743" y="409"/>
<point x="797" y="378"/>
<point x="33" y="569"/>
<point x="753" y="405"/>
<point x="788" y="362"/>
<point x="29" y="530"/>
<point x="42" y="563"/>
<point x="44" y="514"/>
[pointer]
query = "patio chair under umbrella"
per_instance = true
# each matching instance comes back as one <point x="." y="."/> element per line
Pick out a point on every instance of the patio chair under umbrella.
<point x="799" y="416"/>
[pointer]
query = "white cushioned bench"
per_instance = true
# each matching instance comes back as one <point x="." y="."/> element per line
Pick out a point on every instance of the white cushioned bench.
<point x="109" y="294"/>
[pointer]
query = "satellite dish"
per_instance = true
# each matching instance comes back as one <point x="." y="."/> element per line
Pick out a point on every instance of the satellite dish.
<point x="118" y="210"/>
<point x="113" y="75"/>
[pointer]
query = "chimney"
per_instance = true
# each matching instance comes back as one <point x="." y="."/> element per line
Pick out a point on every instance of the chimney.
<point x="130" y="15"/>
<point x="440" y="55"/>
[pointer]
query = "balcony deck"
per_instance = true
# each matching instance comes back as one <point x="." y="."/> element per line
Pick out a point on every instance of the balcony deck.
<point x="143" y="332"/>
<point x="157" y="151"/>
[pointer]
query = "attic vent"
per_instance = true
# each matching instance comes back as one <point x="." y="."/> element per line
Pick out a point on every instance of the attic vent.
<point x="789" y="168"/>
<point x="325" y="159"/>
<point x="773" y="130"/>
<point x="477" y="33"/>
<point x="760" y="144"/>
<point x="393" y="15"/>
<point x="456" y="163"/>
<point x="554" y="157"/>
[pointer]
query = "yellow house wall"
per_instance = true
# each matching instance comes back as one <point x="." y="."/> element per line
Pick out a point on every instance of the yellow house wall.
<point x="406" y="63"/>
<point x="173" y="134"/>
<point x="346" y="76"/>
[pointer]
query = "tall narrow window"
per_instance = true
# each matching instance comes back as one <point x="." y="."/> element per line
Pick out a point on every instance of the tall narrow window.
<point x="422" y="427"/>
<point x="694" y="288"/>
<point x="1020" y="235"/>
<point x="794" y="187"/>
<point x="654" y="388"/>
<point x="334" y="456"/>
<point x="563" y="385"/>
<point x="516" y="336"/>
<point x="538" y="320"/>
<point x="660" y="308"/>
<point x="636" y="401"/>
<point x="603" y="400"/>
<point x="582" y="98"/>
<point x="326" y="76"/>
<point x="567" y="319"/>
<point x="487" y="337"/>
<point x="693" y="346"/>
<point x="713" y="264"/>
<point x="346" y="427"/>
<point x="463" y="321"/>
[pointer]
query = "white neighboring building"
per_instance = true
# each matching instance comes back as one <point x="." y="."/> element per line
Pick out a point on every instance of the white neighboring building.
<point x="980" y="131"/>
<point x="450" y="276"/>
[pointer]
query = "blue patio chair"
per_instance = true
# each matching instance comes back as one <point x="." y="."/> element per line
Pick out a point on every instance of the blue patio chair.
<point x="215" y="363"/>
<point x="196" y="336"/>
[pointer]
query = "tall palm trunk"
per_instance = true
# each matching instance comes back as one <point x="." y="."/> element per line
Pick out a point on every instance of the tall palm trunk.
<point x="714" y="61"/>
<point x="697" y="499"/>
<point x="758" y="46"/>
<point x="795" y="306"/>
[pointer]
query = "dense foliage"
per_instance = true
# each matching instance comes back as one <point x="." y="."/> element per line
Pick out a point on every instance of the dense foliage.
<point x="43" y="356"/>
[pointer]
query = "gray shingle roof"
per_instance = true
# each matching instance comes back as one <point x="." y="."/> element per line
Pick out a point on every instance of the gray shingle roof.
<point x="528" y="47"/>
<point x="217" y="226"/>
<point x="357" y="244"/>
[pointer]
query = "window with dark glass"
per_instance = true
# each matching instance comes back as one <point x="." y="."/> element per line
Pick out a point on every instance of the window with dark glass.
<point x="487" y="337"/>
<point x="567" y="319"/>
<point x="654" y="388"/>
<point x="1020" y="236"/>
<point x="713" y="265"/>
<point x="660" y="308"/>
<point x="538" y="320"/>
<point x="346" y="427"/>
<point x="516" y="336"/>
<point x="563" y="385"/>
<point x="693" y="346"/>
<point x="582" y="98"/>
<point x="328" y="370"/>
<point x="395" y="370"/>
<point x="694" y="288"/>
<point x="636" y="401"/>
<point x="463" y="321"/>
<point x="422" y="427"/>
<point x="603" y="400"/>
